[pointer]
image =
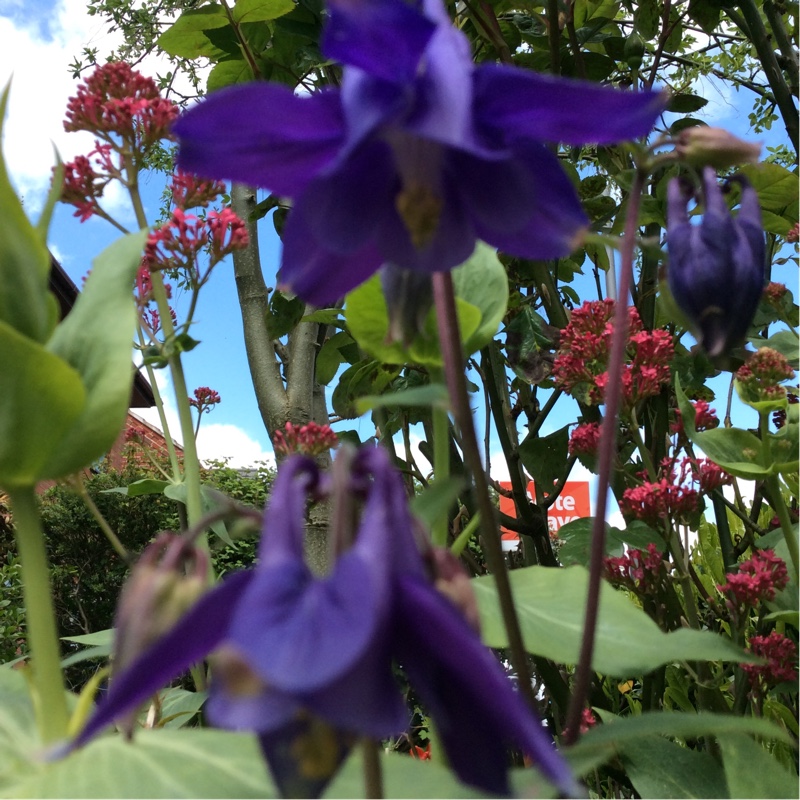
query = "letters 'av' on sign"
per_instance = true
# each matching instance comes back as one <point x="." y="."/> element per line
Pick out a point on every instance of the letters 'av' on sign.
<point x="573" y="503"/>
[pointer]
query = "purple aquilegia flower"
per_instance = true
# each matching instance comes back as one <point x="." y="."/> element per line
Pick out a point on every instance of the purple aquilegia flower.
<point x="418" y="154"/>
<point x="292" y="648"/>
<point x="716" y="268"/>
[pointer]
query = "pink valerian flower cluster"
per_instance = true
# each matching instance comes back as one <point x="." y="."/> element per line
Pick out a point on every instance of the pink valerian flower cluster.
<point x="585" y="439"/>
<point x="581" y="364"/>
<point x="115" y="100"/>
<point x="640" y="571"/>
<point x="774" y="293"/>
<point x="190" y="191"/>
<point x="178" y="242"/>
<point x="204" y="399"/>
<point x="143" y="294"/>
<point x="86" y="178"/>
<point x="310" y="439"/>
<point x="763" y="374"/>
<point x="794" y="233"/>
<point x="780" y="653"/>
<point x="705" y="418"/>
<point x="759" y="578"/>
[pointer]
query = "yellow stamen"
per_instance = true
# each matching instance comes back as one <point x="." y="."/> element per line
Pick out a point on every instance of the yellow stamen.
<point x="420" y="210"/>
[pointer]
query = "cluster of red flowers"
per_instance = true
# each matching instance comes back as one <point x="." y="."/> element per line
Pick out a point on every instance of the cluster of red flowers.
<point x="780" y="653"/>
<point x="640" y="571"/>
<point x="189" y="191"/>
<point x="117" y="100"/>
<point x="585" y="439"/>
<point x="758" y="578"/>
<point x="581" y="364"/>
<point x="705" y="418"/>
<point x="794" y="233"/>
<point x="774" y="293"/>
<point x="764" y="373"/>
<point x="204" y="398"/>
<point x="310" y="439"/>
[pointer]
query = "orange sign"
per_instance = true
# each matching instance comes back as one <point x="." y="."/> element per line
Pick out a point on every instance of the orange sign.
<point x="573" y="503"/>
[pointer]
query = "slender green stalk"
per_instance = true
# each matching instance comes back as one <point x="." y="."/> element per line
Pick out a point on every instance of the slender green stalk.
<point x="647" y="459"/>
<point x="79" y="487"/>
<point x="373" y="773"/>
<point x="450" y="341"/>
<point x="48" y="680"/>
<point x="778" y="503"/>
<point x="441" y="463"/>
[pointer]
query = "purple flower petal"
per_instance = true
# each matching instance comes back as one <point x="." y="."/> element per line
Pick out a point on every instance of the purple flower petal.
<point x="544" y="217"/>
<point x="262" y="135"/>
<point x="344" y="209"/>
<point x="198" y="633"/>
<point x="386" y="38"/>
<point x="519" y="104"/>
<point x="476" y="710"/>
<point x="316" y="274"/>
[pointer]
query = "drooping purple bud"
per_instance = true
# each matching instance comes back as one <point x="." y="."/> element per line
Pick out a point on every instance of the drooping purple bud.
<point x="716" y="268"/>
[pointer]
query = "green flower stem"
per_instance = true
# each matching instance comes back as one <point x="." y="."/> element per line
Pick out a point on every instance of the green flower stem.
<point x="647" y="459"/>
<point x="450" y="341"/>
<point x="778" y="503"/>
<point x="48" y="680"/>
<point x="441" y="461"/>
<point x="79" y="487"/>
<point x="606" y="453"/>
<point x="373" y="772"/>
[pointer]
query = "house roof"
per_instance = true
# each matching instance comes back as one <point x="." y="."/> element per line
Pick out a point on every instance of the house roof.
<point x="66" y="293"/>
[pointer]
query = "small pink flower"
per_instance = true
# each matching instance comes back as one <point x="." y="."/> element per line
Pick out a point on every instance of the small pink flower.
<point x="759" y="578"/>
<point x="204" y="398"/>
<point x="640" y="571"/>
<point x="584" y="439"/>
<point x="780" y="653"/>
<point x="764" y="372"/>
<point x="310" y="439"/>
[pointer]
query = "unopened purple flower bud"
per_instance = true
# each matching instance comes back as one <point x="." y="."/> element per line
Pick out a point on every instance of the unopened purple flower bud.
<point x="716" y="268"/>
<point x="702" y="146"/>
<point x="170" y="575"/>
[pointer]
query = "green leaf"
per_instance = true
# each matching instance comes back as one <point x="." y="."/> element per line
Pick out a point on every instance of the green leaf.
<point x="751" y="771"/>
<point x="42" y="398"/>
<point x="97" y="639"/>
<point x="434" y="502"/>
<point x="482" y="282"/>
<point x="551" y="604"/>
<point x="366" y="377"/>
<point x="616" y="734"/>
<point x="775" y="185"/>
<point x="735" y="450"/>
<point x="26" y="305"/>
<point x="186" y="37"/>
<point x="210" y="500"/>
<point x="404" y="776"/>
<point x="179" y="706"/>
<point x="229" y="72"/>
<point x="189" y="762"/>
<point x="140" y="487"/>
<point x="95" y="339"/>
<point x="18" y="737"/>
<point x="646" y="17"/>
<point x="544" y="458"/>
<point x="261" y="10"/>
<point x="658" y="767"/>
<point x="705" y="14"/>
<point x="432" y="394"/>
<point x="686" y="103"/>
<point x="284" y="314"/>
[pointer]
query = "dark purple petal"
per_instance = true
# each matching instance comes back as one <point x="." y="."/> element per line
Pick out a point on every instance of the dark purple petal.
<point x="300" y="633"/>
<point x="199" y="632"/>
<point x="476" y="710"/>
<point x="267" y="710"/>
<point x="344" y="209"/>
<point x="304" y="755"/>
<point x="282" y="535"/>
<point x="262" y="135"/>
<point x="519" y="104"/>
<point x="540" y="201"/>
<point x="385" y="38"/>
<point x="315" y="274"/>
<point x="369" y="103"/>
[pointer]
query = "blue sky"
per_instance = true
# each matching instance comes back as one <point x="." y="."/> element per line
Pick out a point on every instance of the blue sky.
<point x="40" y="40"/>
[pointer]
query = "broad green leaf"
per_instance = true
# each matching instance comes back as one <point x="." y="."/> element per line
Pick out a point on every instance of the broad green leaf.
<point x="544" y="457"/>
<point x="785" y="342"/>
<point x="366" y="377"/>
<point x="403" y="776"/>
<point x="284" y="314"/>
<point x="482" y="282"/>
<point x="658" y="767"/>
<point x="735" y="450"/>
<point x="775" y="185"/>
<point x="434" y="502"/>
<point x="751" y="771"/>
<point x="41" y="400"/>
<point x="186" y="37"/>
<point x="179" y="706"/>
<point x="261" y="10"/>
<point x="705" y="14"/>
<point x="432" y="394"/>
<point x="26" y="304"/>
<point x="686" y="103"/>
<point x="95" y="339"/>
<point x="229" y="72"/>
<point x="551" y="604"/>
<point x="18" y="737"/>
<point x="189" y="762"/>
<point x="646" y="17"/>
<point x="576" y="540"/>
<point x="210" y="500"/>
<point x="615" y="735"/>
